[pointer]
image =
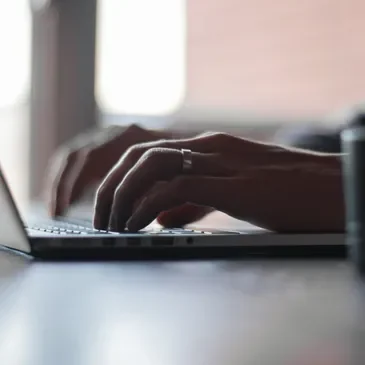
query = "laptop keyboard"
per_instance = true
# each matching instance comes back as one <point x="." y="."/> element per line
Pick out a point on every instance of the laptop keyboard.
<point x="66" y="228"/>
<point x="60" y="227"/>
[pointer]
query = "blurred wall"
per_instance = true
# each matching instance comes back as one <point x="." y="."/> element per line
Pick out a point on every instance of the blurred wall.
<point x="14" y="144"/>
<point x="295" y="57"/>
<point x="15" y="48"/>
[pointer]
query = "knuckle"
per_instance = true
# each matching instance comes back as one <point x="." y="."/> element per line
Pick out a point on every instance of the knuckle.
<point x="135" y="132"/>
<point x="101" y="193"/>
<point x="89" y="154"/>
<point x="72" y="155"/>
<point x="133" y="152"/>
<point x="81" y="141"/>
<point x="83" y="154"/>
<point x="152" y="155"/>
<point x="216" y="138"/>
<point x="67" y="153"/>
<point x="133" y="128"/>
<point x="206" y="134"/>
<point x="222" y="140"/>
<point x="106" y="136"/>
<point x="221" y="136"/>
<point x="63" y="158"/>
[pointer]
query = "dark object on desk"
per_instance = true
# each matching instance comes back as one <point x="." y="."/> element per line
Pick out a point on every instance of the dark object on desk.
<point x="353" y="146"/>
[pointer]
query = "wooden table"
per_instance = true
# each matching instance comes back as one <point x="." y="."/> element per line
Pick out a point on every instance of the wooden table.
<point x="227" y="312"/>
<point x="179" y="313"/>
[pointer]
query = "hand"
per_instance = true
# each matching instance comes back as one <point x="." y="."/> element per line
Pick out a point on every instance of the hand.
<point x="86" y="160"/>
<point x="253" y="181"/>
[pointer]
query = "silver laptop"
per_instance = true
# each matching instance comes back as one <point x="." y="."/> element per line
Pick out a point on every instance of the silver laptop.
<point x="62" y="238"/>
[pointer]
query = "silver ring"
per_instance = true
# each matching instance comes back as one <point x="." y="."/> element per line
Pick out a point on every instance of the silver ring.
<point x="187" y="160"/>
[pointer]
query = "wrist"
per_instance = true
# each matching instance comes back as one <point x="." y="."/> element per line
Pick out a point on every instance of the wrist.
<point x="300" y="157"/>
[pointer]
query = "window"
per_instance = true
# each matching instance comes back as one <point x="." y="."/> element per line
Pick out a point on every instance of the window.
<point x="15" y="40"/>
<point x="293" y="58"/>
<point x="140" y="56"/>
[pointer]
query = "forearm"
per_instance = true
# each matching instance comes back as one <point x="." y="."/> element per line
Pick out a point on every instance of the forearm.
<point x="305" y="195"/>
<point x="320" y="195"/>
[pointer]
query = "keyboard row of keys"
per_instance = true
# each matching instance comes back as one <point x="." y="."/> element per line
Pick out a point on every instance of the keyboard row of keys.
<point x="56" y="230"/>
<point x="62" y="227"/>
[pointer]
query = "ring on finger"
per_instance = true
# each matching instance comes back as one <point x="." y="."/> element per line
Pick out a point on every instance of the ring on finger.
<point x="187" y="160"/>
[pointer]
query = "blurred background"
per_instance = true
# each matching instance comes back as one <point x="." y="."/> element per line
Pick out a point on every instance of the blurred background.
<point x="236" y="65"/>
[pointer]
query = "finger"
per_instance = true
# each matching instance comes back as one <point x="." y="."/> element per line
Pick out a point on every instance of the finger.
<point x="144" y="175"/>
<point x="60" y="172"/>
<point x="157" y="186"/>
<point x="70" y="170"/>
<point x="176" y="217"/>
<point x="104" y="198"/>
<point x="88" y="170"/>
<point x="156" y="165"/>
<point x="202" y="191"/>
<point x="80" y="178"/>
<point x="183" y="215"/>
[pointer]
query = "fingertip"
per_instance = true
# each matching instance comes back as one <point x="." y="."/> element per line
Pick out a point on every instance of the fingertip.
<point x="49" y="203"/>
<point x="165" y="220"/>
<point x="132" y="226"/>
<point x="56" y="206"/>
<point x="96" y="222"/>
<point x="100" y="222"/>
<point x="169" y="222"/>
<point x="113" y="224"/>
<point x="59" y="209"/>
<point x="53" y="210"/>
<point x="51" y="213"/>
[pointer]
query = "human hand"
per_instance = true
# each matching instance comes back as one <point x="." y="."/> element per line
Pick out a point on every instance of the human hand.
<point x="245" y="179"/>
<point x="86" y="160"/>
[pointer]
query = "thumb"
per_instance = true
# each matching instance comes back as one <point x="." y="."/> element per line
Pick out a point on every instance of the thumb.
<point x="185" y="214"/>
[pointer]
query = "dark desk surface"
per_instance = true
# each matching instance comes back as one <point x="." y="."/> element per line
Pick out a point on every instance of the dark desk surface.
<point x="196" y="313"/>
<point x="263" y="312"/>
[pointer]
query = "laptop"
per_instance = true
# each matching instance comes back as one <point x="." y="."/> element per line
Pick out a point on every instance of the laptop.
<point x="64" y="238"/>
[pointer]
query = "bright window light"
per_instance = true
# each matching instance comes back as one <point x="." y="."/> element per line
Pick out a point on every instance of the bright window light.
<point x="140" y="56"/>
<point x="15" y="28"/>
